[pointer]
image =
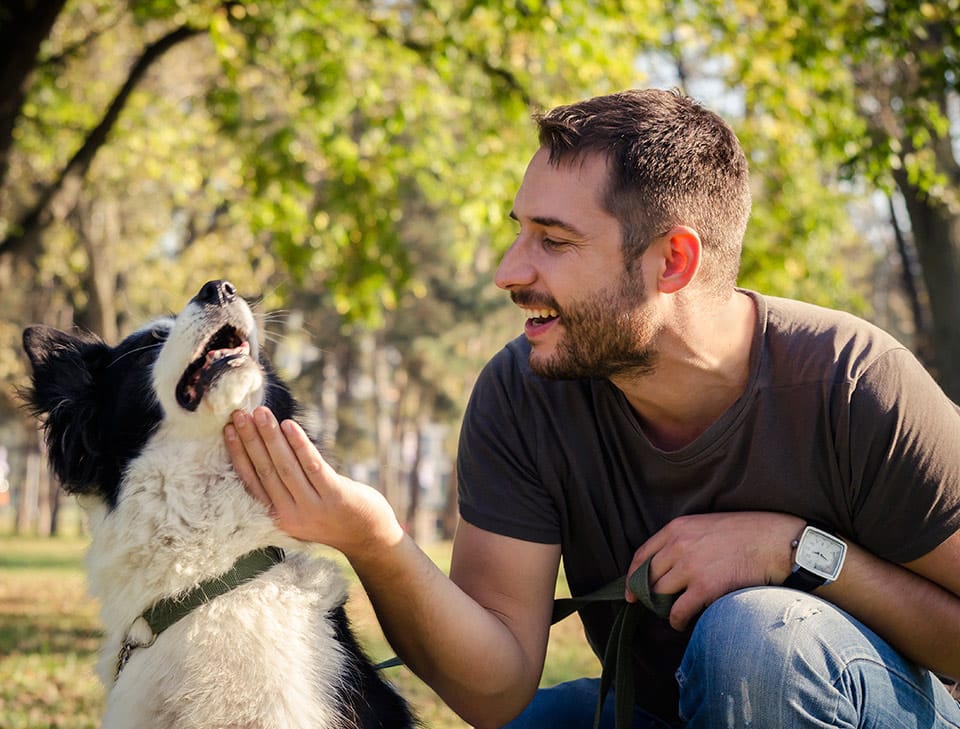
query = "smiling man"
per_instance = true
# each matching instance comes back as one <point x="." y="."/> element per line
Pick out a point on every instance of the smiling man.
<point x="791" y="473"/>
<point x="570" y="245"/>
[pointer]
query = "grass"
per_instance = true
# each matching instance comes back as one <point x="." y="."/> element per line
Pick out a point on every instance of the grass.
<point x="50" y="636"/>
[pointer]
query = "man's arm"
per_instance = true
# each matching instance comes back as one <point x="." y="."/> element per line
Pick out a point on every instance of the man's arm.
<point x="914" y="607"/>
<point x="478" y="639"/>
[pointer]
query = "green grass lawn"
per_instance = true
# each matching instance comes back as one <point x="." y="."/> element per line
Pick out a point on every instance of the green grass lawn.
<point x="49" y="638"/>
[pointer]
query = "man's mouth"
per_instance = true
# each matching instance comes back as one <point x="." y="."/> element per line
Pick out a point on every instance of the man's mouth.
<point x="226" y="349"/>
<point x="539" y="321"/>
<point x="538" y="317"/>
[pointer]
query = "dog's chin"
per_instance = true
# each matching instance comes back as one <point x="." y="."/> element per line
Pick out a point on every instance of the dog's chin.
<point x="240" y="388"/>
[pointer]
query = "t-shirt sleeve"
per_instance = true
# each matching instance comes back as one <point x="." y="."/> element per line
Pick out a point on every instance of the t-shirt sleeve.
<point x="498" y="480"/>
<point x="904" y="459"/>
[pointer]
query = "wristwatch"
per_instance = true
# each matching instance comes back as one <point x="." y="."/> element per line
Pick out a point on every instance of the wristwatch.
<point x="818" y="559"/>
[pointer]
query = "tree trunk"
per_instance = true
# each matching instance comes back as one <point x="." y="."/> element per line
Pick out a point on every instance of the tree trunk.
<point x="936" y="233"/>
<point x="911" y="277"/>
<point x="27" y="496"/>
<point x="44" y="505"/>
<point x="55" y="499"/>
<point x="98" y="229"/>
<point x="385" y="406"/>
<point x="413" y="486"/>
<point x="451" y="512"/>
<point x="24" y="25"/>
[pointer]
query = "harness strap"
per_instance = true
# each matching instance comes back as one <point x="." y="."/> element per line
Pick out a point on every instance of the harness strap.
<point x="167" y="611"/>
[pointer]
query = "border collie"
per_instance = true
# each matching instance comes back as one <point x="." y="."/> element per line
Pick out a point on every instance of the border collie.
<point x="136" y="431"/>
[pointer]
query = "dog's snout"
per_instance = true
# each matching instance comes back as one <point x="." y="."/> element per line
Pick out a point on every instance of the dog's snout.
<point x="217" y="293"/>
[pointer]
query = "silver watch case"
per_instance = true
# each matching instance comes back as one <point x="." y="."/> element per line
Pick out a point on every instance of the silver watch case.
<point x="820" y="553"/>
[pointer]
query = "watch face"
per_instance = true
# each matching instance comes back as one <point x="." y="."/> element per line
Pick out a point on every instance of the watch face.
<point x="821" y="553"/>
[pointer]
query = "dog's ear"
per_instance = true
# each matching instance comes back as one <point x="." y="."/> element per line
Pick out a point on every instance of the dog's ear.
<point x="63" y="394"/>
<point x="44" y="344"/>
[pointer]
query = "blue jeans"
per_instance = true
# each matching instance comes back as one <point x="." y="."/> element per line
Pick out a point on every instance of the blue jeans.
<point x="773" y="658"/>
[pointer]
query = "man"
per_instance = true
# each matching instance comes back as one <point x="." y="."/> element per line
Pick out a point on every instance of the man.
<point x="654" y="412"/>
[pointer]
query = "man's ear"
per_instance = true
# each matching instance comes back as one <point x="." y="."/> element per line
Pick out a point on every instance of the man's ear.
<point x="681" y="249"/>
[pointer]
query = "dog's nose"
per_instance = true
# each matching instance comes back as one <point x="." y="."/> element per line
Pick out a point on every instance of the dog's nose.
<point x="217" y="293"/>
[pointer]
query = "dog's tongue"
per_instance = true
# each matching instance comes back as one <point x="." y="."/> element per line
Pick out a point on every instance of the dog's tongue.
<point x="219" y="359"/>
<point x="215" y="363"/>
<point x="215" y="355"/>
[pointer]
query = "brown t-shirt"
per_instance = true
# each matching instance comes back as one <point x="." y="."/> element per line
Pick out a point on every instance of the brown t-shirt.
<point x="839" y="424"/>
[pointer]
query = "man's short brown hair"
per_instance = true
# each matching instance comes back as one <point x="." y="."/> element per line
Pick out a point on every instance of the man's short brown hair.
<point x="671" y="161"/>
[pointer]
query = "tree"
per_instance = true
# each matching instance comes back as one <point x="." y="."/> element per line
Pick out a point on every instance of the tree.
<point x="24" y="25"/>
<point x="282" y="145"/>
<point x="355" y="161"/>
<point x="867" y="86"/>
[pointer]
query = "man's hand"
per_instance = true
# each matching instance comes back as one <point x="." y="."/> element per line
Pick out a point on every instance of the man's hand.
<point x="481" y="648"/>
<point x="280" y="466"/>
<point x="706" y="556"/>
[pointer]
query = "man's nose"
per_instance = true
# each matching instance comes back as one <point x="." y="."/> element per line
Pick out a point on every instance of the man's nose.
<point x="515" y="267"/>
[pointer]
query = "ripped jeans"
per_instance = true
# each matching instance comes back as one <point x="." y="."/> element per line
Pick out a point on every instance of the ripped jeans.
<point x="773" y="658"/>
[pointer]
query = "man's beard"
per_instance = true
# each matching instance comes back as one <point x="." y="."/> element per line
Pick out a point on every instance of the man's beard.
<point x="609" y="334"/>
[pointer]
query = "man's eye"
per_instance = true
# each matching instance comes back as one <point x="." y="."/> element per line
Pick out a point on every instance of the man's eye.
<point x="554" y="244"/>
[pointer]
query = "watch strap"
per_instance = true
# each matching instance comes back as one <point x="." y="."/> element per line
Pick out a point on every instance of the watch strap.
<point x="802" y="579"/>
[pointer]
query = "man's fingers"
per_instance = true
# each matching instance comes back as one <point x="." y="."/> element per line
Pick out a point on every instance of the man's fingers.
<point x="243" y="465"/>
<point x="318" y="471"/>
<point x="257" y="452"/>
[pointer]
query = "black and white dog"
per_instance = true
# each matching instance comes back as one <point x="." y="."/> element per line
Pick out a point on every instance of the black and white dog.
<point x="208" y="624"/>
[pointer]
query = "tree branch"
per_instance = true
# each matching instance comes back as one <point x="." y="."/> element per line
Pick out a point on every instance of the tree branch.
<point x="506" y="77"/>
<point x="61" y="195"/>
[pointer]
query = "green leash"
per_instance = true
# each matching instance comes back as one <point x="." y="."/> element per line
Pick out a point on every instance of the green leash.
<point x="617" y="670"/>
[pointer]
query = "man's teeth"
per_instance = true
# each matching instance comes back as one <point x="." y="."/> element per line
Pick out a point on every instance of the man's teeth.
<point x="542" y="313"/>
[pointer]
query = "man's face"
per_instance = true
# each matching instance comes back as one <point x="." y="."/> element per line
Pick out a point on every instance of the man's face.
<point x="589" y="314"/>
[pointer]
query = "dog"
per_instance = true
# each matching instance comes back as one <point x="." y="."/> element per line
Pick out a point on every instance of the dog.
<point x="136" y="431"/>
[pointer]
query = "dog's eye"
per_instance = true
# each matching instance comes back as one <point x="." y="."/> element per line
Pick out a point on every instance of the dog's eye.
<point x="160" y="333"/>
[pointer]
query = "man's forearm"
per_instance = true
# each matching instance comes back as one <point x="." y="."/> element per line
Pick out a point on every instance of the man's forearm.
<point x="461" y="650"/>
<point x="917" y="617"/>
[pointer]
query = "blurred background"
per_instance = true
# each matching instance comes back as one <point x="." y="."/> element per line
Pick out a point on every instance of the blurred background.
<point x="350" y="166"/>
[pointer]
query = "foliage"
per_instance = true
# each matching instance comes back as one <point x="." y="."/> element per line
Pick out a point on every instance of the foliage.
<point x="353" y="162"/>
<point x="346" y="157"/>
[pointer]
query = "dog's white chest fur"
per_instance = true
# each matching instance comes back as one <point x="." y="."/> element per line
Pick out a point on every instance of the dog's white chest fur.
<point x="249" y="658"/>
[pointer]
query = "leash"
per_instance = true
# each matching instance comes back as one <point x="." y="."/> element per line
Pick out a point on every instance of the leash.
<point x="167" y="611"/>
<point x="617" y="664"/>
<point x="617" y="670"/>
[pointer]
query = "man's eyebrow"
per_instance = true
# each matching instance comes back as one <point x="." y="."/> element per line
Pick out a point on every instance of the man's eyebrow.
<point x="546" y="222"/>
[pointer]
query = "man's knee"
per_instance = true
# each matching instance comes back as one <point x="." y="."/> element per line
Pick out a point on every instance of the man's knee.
<point x="755" y="651"/>
<point x="744" y="628"/>
<point x="775" y="657"/>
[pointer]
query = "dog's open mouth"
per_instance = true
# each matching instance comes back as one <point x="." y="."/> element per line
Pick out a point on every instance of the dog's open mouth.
<point x="225" y="349"/>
